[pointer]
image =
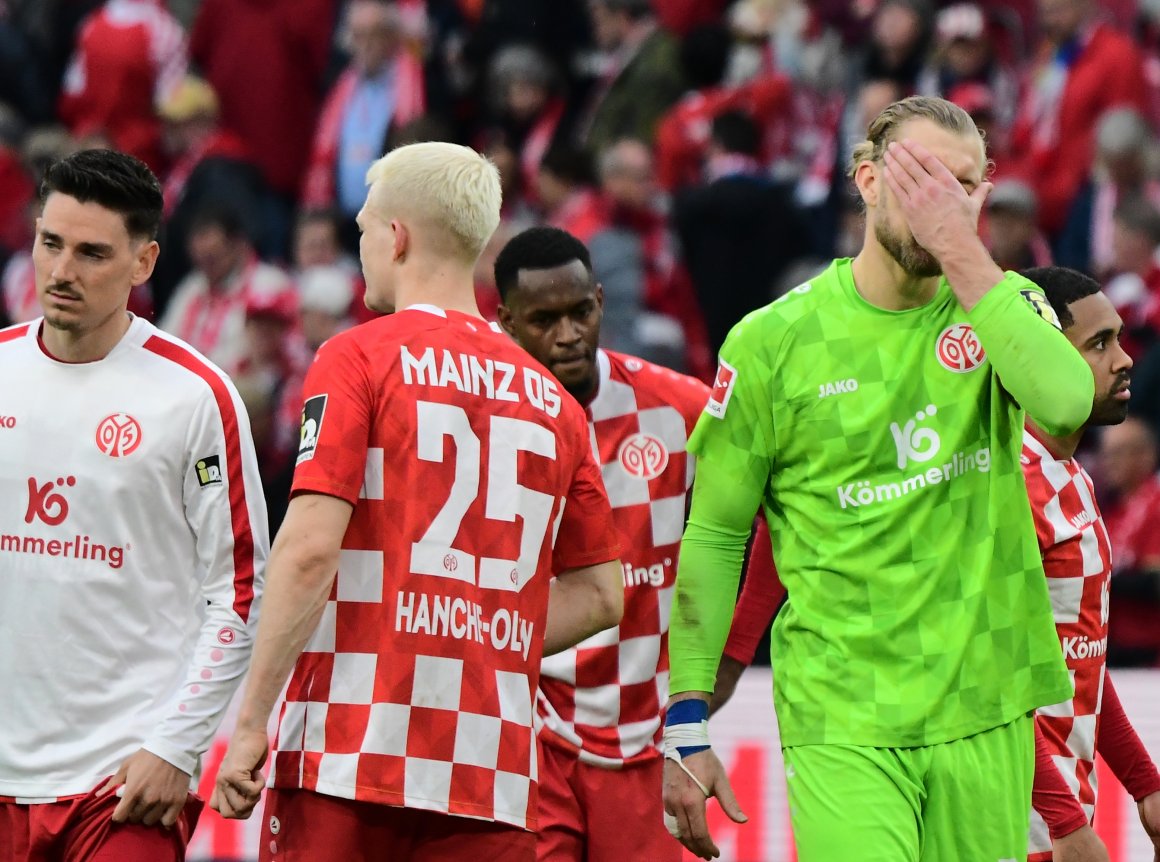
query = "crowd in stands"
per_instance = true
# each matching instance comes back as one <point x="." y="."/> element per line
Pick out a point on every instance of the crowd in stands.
<point x="698" y="147"/>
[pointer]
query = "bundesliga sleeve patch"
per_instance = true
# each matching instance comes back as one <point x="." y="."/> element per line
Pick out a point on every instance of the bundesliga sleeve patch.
<point x="313" y="412"/>
<point x="1041" y="306"/>
<point x="722" y="389"/>
<point x="209" y="471"/>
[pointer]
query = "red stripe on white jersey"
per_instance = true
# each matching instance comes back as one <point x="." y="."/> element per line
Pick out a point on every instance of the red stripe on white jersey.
<point x="239" y="511"/>
<point x="14" y="332"/>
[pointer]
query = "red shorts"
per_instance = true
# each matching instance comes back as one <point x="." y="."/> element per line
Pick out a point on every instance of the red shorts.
<point x="592" y="813"/>
<point x="302" y="826"/>
<point x="81" y="829"/>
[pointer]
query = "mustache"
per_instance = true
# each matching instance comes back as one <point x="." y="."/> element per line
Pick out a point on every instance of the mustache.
<point x="63" y="290"/>
<point x="1122" y="380"/>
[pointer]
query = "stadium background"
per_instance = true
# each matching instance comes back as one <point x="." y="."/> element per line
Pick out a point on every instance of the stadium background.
<point x="697" y="146"/>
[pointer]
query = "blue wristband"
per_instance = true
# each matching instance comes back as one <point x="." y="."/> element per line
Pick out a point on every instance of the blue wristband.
<point x="685" y="719"/>
<point x="692" y="711"/>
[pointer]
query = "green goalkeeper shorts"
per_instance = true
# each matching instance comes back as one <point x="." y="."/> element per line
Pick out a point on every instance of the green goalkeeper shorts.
<point x="968" y="800"/>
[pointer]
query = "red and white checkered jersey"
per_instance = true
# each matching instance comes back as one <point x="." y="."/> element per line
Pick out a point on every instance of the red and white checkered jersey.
<point x="1077" y="558"/>
<point x="472" y="480"/>
<point x="603" y="698"/>
<point x="132" y="545"/>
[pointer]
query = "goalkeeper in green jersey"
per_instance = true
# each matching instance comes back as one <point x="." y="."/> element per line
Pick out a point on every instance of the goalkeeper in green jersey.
<point x="876" y="413"/>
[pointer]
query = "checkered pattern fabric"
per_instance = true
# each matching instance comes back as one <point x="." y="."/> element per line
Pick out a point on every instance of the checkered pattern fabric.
<point x="1077" y="558"/>
<point x="603" y="698"/>
<point x="417" y="687"/>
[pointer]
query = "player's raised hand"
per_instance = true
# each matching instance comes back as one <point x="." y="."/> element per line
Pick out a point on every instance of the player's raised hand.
<point x="684" y="801"/>
<point x="152" y="790"/>
<point x="239" y="780"/>
<point x="1150" y="816"/>
<point x="938" y="210"/>
<point x="1083" y="845"/>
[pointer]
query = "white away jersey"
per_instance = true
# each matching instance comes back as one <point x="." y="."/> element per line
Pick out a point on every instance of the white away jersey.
<point x="132" y="544"/>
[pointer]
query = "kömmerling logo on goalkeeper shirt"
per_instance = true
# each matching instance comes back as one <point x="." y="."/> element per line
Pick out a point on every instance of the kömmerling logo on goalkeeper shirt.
<point x="855" y="495"/>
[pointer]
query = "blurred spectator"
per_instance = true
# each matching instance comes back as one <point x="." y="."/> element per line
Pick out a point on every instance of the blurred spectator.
<point x="317" y="244"/>
<point x="1124" y="162"/>
<point x="208" y="309"/>
<point x="25" y="84"/>
<point x="325" y="295"/>
<point x="649" y="306"/>
<point x="683" y="136"/>
<point x="382" y="87"/>
<point x="683" y="16"/>
<point x="739" y="231"/>
<point x="528" y="104"/>
<point x="1084" y="68"/>
<point x="642" y="79"/>
<point x="1135" y="291"/>
<point x="965" y="56"/>
<point x="900" y="36"/>
<point x="210" y="165"/>
<point x="265" y="60"/>
<point x="17" y="190"/>
<point x="273" y="363"/>
<point x="1012" y="233"/>
<point x="564" y="184"/>
<point x="129" y="57"/>
<point x="1128" y="462"/>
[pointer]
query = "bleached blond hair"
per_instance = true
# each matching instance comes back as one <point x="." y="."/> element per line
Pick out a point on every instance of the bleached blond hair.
<point x="446" y="188"/>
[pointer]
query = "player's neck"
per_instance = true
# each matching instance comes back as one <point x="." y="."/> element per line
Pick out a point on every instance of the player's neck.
<point x="91" y="346"/>
<point x="1063" y="448"/>
<point x="445" y="286"/>
<point x="883" y="283"/>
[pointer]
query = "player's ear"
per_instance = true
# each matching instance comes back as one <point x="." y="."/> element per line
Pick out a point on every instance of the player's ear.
<point x="146" y="260"/>
<point x="402" y="241"/>
<point x="600" y="296"/>
<point x="506" y="320"/>
<point x="868" y="179"/>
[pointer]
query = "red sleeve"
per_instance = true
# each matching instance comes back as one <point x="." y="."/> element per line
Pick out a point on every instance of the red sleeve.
<point x="1050" y="795"/>
<point x="338" y="404"/>
<point x="587" y="534"/>
<point x="1118" y="744"/>
<point x="760" y="596"/>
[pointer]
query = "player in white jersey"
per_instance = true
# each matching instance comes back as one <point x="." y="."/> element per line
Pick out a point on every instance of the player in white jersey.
<point x="132" y="540"/>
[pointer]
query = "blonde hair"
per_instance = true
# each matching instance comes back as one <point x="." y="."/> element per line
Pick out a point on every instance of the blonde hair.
<point x="885" y="126"/>
<point x="452" y="189"/>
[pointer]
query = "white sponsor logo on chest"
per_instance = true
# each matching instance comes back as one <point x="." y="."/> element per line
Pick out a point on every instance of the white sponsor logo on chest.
<point x="837" y="387"/>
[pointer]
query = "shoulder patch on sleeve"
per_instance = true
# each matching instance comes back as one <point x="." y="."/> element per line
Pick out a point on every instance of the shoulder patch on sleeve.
<point x="313" y="412"/>
<point x="722" y="389"/>
<point x="209" y="470"/>
<point x="1041" y="306"/>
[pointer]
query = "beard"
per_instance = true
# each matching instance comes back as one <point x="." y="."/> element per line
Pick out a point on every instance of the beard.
<point x="915" y="260"/>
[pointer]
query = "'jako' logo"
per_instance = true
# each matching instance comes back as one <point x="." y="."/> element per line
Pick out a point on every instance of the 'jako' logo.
<point x="50" y="508"/>
<point x="958" y="349"/>
<point x="7" y="421"/>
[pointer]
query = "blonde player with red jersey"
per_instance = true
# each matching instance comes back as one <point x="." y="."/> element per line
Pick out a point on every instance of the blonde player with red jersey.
<point x="132" y="540"/>
<point x="600" y="703"/>
<point x="444" y="476"/>
<point x="1077" y="558"/>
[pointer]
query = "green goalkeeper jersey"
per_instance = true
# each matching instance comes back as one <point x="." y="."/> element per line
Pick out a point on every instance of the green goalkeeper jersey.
<point x="884" y="447"/>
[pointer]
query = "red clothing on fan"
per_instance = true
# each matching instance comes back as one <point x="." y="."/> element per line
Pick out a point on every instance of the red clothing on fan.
<point x="682" y="140"/>
<point x="418" y="686"/>
<point x="602" y="700"/>
<point x="1053" y="141"/>
<point x="266" y="60"/>
<point x="410" y="100"/>
<point x="129" y="55"/>
<point x="681" y="16"/>
<point x="1132" y="524"/>
<point x="219" y="144"/>
<point x="16" y="195"/>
